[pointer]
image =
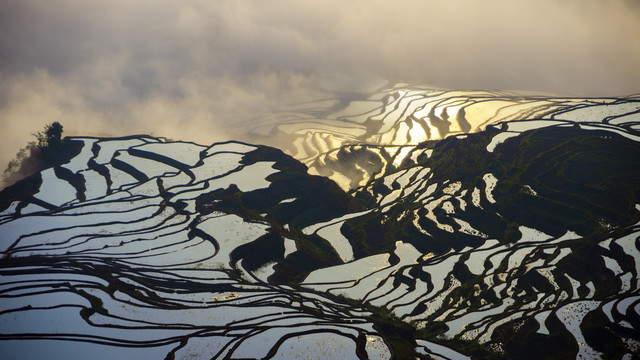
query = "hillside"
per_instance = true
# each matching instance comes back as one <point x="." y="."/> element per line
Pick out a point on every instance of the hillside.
<point x="431" y="232"/>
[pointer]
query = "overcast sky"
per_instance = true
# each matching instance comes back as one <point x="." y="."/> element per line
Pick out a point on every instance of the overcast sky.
<point x="189" y="69"/>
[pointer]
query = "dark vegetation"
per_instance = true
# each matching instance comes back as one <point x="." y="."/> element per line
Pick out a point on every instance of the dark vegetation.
<point x="585" y="180"/>
<point x="269" y="247"/>
<point x="49" y="149"/>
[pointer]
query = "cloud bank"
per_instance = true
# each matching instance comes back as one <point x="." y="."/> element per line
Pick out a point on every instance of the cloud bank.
<point x="202" y="70"/>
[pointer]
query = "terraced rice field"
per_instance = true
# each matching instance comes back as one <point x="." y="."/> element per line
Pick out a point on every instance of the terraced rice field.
<point x="466" y="225"/>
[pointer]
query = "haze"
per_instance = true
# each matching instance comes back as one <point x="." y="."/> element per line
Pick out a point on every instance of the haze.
<point x="202" y="70"/>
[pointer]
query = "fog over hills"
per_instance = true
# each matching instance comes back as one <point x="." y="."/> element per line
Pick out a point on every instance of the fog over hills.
<point x="338" y="179"/>
<point x="205" y="71"/>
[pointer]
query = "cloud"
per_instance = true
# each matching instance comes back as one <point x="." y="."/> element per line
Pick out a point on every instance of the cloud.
<point x="201" y="70"/>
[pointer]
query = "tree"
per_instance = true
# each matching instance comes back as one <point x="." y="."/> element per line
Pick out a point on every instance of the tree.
<point x="54" y="134"/>
<point x="51" y="137"/>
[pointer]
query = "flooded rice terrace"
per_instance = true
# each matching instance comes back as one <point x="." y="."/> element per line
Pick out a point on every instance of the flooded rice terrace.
<point x="416" y="222"/>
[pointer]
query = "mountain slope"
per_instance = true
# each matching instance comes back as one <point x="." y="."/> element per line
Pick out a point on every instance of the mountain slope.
<point x="498" y="243"/>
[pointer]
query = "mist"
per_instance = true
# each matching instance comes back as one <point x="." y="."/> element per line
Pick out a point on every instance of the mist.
<point x="204" y="70"/>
